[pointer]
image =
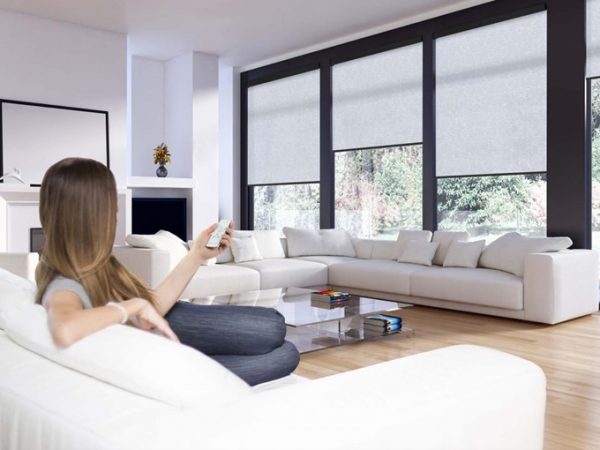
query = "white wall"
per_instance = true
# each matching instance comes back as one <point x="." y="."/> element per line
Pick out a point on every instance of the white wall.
<point x="147" y="113"/>
<point x="178" y="114"/>
<point x="229" y="143"/>
<point x="46" y="61"/>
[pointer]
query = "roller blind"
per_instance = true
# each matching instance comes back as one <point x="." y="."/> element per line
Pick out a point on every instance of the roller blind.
<point x="378" y="99"/>
<point x="283" y="130"/>
<point x="593" y="38"/>
<point x="491" y="99"/>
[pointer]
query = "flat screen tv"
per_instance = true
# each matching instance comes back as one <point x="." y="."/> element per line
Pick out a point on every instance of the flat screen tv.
<point x="149" y="215"/>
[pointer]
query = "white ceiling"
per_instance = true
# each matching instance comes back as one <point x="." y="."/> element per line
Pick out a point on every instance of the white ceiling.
<point x="242" y="32"/>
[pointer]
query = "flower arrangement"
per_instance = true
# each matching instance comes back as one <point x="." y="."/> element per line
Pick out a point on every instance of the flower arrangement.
<point x="161" y="154"/>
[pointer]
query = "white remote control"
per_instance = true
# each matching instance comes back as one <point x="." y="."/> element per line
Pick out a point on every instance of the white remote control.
<point x="215" y="237"/>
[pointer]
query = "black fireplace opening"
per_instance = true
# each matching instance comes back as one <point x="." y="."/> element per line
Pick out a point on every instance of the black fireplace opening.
<point x="149" y="215"/>
<point x="36" y="240"/>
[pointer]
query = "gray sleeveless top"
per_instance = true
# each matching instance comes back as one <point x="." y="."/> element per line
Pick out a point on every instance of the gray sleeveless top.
<point x="67" y="284"/>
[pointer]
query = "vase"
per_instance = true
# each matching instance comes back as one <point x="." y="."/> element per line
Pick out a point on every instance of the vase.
<point x="162" y="171"/>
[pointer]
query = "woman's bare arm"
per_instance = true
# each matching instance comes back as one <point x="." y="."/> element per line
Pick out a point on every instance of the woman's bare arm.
<point x="70" y="322"/>
<point x="169" y="291"/>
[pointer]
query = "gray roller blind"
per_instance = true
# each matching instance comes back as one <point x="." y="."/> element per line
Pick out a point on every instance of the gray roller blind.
<point x="491" y="99"/>
<point x="378" y="99"/>
<point x="593" y="38"/>
<point x="283" y="130"/>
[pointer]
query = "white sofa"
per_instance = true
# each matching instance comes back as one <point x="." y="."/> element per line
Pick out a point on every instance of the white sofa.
<point x="555" y="286"/>
<point x="461" y="397"/>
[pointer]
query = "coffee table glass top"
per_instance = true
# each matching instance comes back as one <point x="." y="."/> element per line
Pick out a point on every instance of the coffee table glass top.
<point x="295" y="305"/>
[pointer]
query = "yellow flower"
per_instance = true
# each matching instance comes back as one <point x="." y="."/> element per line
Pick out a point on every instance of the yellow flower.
<point x="161" y="154"/>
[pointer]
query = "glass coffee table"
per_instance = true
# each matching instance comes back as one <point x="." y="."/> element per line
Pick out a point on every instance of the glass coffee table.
<point x="311" y="327"/>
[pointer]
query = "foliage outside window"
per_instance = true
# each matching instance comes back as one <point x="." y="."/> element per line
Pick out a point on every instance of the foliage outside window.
<point x="595" y="135"/>
<point x="288" y="205"/>
<point x="489" y="206"/>
<point x="379" y="191"/>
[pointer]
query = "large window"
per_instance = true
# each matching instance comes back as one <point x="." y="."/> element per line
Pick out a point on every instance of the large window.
<point x="379" y="191"/>
<point x="490" y="206"/>
<point x="491" y="128"/>
<point x="595" y="138"/>
<point x="377" y="113"/>
<point x="283" y="151"/>
<point x="291" y="205"/>
<point x="593" y="71"/>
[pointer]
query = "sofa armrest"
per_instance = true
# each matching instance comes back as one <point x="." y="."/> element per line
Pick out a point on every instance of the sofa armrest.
<point x="21" y="264"/>
<point x="559" y="286"/>
<point x="150" y="265"/>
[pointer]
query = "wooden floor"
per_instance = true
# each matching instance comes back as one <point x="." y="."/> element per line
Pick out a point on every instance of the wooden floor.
<point x="569" y="354"/>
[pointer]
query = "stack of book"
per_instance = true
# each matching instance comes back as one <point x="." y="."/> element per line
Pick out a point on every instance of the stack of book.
<point x="329" y="299"/>
<point x="381" y="324"/>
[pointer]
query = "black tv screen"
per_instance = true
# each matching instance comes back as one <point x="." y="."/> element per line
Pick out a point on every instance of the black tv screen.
<point x="149" y="215"/>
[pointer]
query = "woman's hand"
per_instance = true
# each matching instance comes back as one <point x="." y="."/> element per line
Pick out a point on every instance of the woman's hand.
<point x="145" y="317"/>
<point x="200" y="242"/>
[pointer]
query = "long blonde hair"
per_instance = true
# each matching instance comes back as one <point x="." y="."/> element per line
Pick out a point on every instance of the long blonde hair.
<point x="78" y="212"/>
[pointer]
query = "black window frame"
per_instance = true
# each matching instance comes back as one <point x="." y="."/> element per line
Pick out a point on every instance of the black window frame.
<point x="568" y="150"/>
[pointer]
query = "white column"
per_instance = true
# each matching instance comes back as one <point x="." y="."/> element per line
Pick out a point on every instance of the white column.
<point x="229" y="142"/>
<point x="205" y="140"/>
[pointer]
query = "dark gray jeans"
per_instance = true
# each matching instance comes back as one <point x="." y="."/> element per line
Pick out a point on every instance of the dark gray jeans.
<point x="248" y="340"/>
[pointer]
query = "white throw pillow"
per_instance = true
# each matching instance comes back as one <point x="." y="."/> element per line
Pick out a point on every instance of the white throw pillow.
<point x="418" y="252"/>
<point x="445" y="238"/>
<point x="244" y="249"/>
<point x="162" y="240"/>
<point x="135" y="360"/>
<point x="318" y="242"/>
<point x="463" y="254"/>
<point x="508" y="252"/>
<point x="15" y="292"/>
<point x="410" y="235"/>
<point x="267" y="241"/>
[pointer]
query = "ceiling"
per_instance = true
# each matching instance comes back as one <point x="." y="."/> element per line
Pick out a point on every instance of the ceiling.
<point x="242" y="32"/>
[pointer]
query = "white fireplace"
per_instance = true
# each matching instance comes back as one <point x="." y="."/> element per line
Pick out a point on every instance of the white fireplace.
<point x="19" y="212"/>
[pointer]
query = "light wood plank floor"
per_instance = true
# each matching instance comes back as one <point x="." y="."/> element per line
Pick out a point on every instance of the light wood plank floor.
<point x="569" y="354"/>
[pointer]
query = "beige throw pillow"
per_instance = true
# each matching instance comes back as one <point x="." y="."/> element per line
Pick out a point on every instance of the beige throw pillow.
<point x="418" y="252"/>
<point x="463" y="254"/>
<point x="244" y="249"/>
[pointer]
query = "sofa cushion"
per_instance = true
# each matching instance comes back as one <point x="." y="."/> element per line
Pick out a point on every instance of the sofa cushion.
<point x="268" y="242"/>
<point x="508" y="252"/>
<point x="332" y="242"/>
<point x="327" y="260"/>
<point x="375" y="275"/>
<point x="418" y="252"/>
<point x="162" y="240"/>
<point x="286" y="272"/>
<point x="134" y="360"/>
<point x="244" y="249"/>
<point x="221" y="279"/>
<point x="464" y="254"/>
<point x="483" y="287"/>
<point x="444" y="239"/>
<point x="382" y="249"/>
<point x="363" y="247"/>
<point x="410" y="235"/>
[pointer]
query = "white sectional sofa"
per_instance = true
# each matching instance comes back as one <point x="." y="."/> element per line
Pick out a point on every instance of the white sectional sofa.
<point x="548" y="287"/>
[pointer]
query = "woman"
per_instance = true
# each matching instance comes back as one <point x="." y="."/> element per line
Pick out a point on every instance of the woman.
<point x="85" y="289"/>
